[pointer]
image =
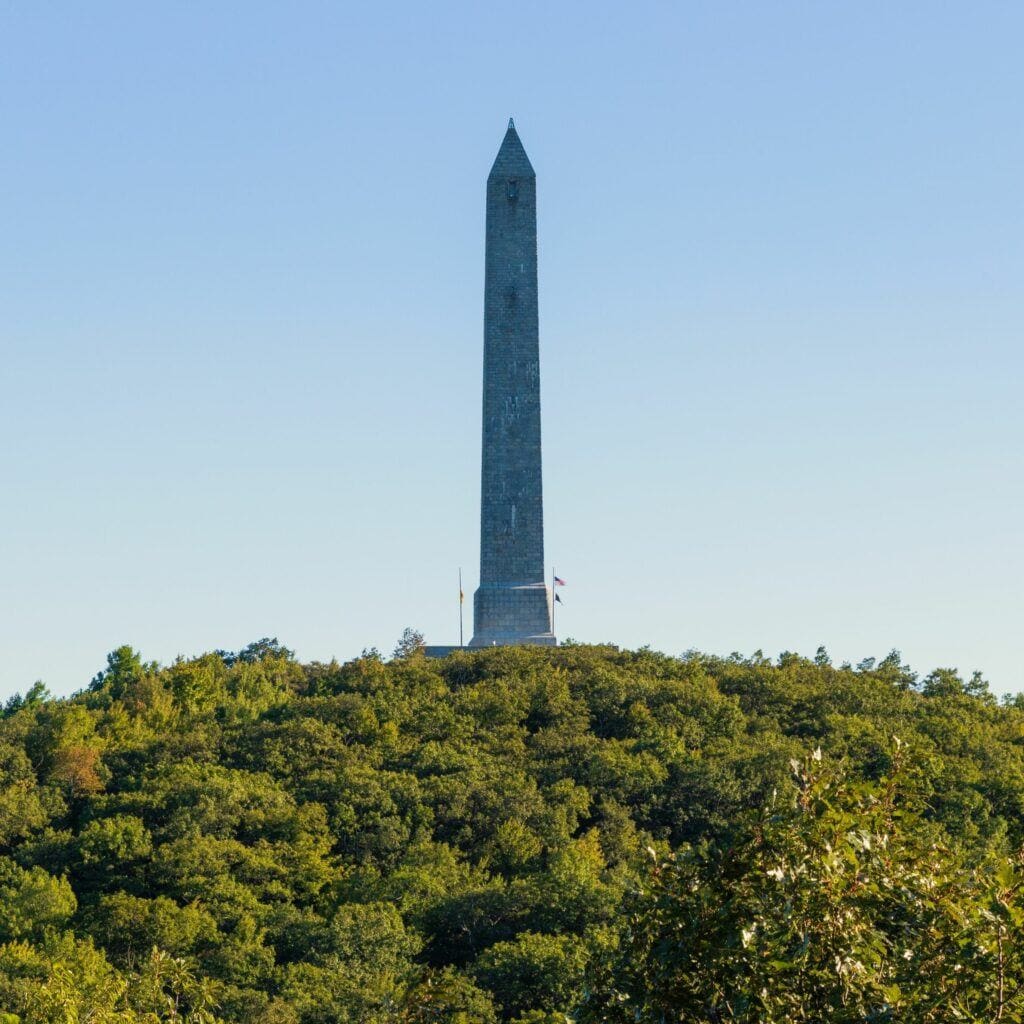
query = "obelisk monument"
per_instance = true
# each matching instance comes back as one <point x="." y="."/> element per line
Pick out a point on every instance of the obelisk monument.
<point x="513" y="602"/>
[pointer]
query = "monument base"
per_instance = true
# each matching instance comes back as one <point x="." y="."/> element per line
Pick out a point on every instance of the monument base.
<point x="441" y="650"/>
<point x="506" y="614"/>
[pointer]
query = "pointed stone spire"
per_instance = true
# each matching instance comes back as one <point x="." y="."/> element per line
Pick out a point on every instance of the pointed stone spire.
<point x="512" y="161"/>
<point x="513" y="603"/>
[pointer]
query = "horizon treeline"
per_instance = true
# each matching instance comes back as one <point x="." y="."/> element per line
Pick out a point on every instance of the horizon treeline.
<point x="512" y="834"/>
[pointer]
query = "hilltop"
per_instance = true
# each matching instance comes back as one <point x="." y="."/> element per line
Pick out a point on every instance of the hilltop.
<point x="243" y="838"/>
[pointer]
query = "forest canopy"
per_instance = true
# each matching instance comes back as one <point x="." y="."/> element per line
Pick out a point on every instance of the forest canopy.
<point x="511" y="835"/>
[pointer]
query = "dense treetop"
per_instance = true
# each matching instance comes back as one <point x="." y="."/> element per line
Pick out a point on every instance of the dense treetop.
<point x="510" y="835"/>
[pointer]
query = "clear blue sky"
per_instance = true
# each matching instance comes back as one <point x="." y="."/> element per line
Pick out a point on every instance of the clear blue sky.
<point x="241" y="283"/>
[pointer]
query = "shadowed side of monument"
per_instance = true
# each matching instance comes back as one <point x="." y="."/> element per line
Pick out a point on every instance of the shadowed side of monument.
<point x="513" y="603"/>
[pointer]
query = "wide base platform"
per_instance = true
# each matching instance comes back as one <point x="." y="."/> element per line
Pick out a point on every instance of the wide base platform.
<point x="511" y="614"/>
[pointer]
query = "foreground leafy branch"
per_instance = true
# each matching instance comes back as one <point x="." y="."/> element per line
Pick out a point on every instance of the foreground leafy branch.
<point x="838" y="902"/>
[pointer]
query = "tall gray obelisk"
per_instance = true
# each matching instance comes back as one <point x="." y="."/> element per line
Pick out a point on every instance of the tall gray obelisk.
<point x="513" y="602"/>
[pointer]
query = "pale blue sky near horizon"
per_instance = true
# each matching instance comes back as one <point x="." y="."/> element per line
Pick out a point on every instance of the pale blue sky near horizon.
<point x="241" y="285"/>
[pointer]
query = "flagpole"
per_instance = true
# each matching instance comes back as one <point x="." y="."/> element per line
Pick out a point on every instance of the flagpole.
<point x="461" y="601"/>
<point x="552" y="599"/>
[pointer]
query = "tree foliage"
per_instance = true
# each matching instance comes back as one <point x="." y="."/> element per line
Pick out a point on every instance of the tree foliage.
<point x="837" y="901"/>
<point x="513" y="834"/>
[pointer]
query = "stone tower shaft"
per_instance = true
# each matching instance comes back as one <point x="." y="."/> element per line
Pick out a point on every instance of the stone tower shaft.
<point x="511" y="526"/>
<point x="513" y="604"/>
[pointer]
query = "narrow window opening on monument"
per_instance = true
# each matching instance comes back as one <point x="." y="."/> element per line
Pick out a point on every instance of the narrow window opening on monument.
<point x="513" y="189"/>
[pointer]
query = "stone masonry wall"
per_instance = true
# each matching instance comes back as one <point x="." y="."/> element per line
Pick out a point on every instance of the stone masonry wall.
<point x="513" y="600"/>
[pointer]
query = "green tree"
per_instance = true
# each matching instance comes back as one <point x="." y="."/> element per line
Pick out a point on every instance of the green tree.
<point x="22" y="806"/>
<point x="112" y="843"/>
<point x="837" y="902"/>
<point x="130" y="927"/>
<point x="62" y="981"/>
<point x="409" y="643"/>
<point x="124" y="667"/>
<point x="32" y="901"/>
<point x="532" y="971"/>
<point x="37" y="694"/>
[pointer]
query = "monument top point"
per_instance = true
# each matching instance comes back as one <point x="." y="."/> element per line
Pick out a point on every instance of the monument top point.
<point x="512" y="161"/>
